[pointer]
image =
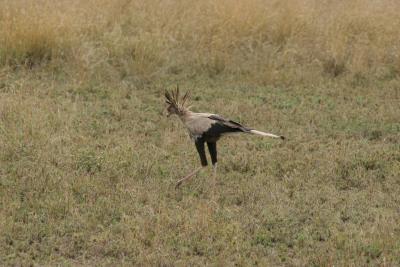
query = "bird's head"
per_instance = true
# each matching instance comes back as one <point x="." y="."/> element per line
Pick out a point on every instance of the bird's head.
<point x="176" y="104"/>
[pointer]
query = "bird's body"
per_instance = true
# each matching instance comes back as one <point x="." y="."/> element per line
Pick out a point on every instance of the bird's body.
<point x="205" y="128"/>
<point x="209" y="127"/>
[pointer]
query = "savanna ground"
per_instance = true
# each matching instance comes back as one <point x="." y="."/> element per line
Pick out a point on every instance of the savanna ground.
<point x="89" y="162"/>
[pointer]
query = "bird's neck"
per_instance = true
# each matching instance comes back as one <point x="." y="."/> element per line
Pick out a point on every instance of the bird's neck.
<point x="185" y="115"/>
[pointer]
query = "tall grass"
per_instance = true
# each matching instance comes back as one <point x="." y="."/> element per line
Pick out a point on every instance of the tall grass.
<point x="262" y="41"/>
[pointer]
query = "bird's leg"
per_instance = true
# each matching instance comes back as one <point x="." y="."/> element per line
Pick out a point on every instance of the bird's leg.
<point x="203" y="159"/>
<point x="214" y="179"/>
<point x="212" y="148"/>
<point x="190" y="175"/>
<point x="215" y="169"/>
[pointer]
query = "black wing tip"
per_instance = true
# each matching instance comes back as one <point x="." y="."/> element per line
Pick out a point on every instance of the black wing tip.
<point x="282" y="137"/>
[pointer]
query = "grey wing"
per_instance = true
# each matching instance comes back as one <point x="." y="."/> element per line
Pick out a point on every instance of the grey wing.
<point x="228" y="125"/>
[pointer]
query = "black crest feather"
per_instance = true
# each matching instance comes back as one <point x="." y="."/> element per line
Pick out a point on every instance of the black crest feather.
<point x="173" y="98"/>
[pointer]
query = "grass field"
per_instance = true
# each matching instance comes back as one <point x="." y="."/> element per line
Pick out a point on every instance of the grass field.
<point x="88" y="162"/>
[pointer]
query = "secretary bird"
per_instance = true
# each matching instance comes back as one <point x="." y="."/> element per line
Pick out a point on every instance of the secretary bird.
<point x="205" y="128"/>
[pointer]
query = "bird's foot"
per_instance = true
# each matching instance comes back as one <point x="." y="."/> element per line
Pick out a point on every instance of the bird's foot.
<point x="178" y="184"/>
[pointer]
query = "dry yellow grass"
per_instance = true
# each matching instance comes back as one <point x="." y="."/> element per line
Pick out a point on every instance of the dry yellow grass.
<point x="260" y="41"/>
<point x="88" y="162"/>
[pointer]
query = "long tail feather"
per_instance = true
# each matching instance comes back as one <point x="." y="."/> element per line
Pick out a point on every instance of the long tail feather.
<point x="266" y="134"/>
